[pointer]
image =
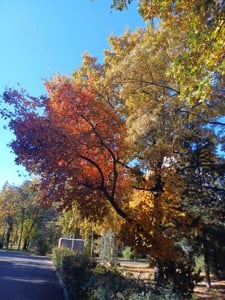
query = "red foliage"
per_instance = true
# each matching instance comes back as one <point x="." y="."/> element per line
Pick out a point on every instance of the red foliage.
<point x="75" y="142"/>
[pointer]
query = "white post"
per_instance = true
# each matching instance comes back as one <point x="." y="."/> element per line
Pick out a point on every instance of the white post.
<point x="72" y="244"/>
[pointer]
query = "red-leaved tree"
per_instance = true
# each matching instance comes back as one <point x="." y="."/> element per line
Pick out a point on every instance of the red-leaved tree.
<point x="76" y="142"/>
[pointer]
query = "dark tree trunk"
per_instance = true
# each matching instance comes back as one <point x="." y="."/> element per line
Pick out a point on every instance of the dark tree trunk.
<point x="26" y="244"/>
<point x="21" y="229"/>
<point x="206" y="262"/>
<point x="158" y="274"/>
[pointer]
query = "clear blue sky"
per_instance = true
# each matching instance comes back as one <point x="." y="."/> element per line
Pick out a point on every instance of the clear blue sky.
<point x="40" y="38"/>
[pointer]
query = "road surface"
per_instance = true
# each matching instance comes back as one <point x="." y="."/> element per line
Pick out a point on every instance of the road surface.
<point x="27" y="277"/>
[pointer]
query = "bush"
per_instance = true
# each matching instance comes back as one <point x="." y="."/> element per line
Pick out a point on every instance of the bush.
<point x="128" y="253"/>
<point x="107" y="284"/>
<point x="42" y="247"/>
<point x="104" y="284"/>
<point x="86" y="280"/>
<point x="74" y="268"/>
<point x="58" y="255"/>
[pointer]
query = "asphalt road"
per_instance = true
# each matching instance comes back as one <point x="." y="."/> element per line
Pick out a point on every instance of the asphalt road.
<point x="25" y="277"/>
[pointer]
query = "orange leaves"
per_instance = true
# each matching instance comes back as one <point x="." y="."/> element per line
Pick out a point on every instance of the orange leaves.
<point x="75" y="143"/>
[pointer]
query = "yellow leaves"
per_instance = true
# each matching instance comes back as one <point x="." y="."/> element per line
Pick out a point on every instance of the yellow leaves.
<point x="154" y="215"/>
<point x="111" y="222"/>
<point x="200" y="38"/>
<point x="141" y="198"/>
<point x="147" y="9"/>
<point x="71" y="219"/>
<point x="143" y="202"/>
<point x="88" y="73"/>
<point x="124" y="43"/>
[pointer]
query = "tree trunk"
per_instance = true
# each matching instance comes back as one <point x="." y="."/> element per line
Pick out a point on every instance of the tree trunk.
<point x="158" y="274"/>
<point x="28" y="236"/>
<point x="21" y="228"/>
<point x="206" y="262"/>
<point x="8" y="235"/>
<point x="26" y="243"/>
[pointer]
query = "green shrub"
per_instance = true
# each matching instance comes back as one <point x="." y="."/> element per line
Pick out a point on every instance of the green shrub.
<point x="58" y="255"/>
<point x="107" y="283"/>
<point x="128" y="253"/>
<point x="104" y="284"/>
<point x="74" y="268"/>
<point x="42" y="247"/>
<point x="87" y="281"/>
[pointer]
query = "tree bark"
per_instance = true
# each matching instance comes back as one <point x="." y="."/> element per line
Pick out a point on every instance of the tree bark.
<point x="21" y="229"/>
<point x="206" y="262"/>
<point x="158" y="274"/>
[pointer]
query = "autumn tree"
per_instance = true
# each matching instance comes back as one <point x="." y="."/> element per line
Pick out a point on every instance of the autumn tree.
<point x="159" y="112"/>
<point x="203" y="23"/>
<point x="17" y="210"/>
<point x="149" y="96"/>
<point x="8" y="199"/>
<point x="120" y="86"/>
<point x="23" y="219"/>
<point x="83" y="137"/>
<point x="92" y="158"/>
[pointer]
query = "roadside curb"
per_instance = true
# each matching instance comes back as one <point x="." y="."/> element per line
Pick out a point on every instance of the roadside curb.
<point x="65" y="293"/>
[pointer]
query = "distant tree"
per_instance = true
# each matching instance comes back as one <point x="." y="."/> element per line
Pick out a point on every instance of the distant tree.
<point x="23" y="218"/>
<point x="9" y="198"/>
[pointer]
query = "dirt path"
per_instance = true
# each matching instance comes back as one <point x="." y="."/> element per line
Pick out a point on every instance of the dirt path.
<point x="217" y="291"/>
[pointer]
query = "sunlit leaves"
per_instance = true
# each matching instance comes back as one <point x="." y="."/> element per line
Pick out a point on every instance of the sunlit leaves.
<point x="76" y="145"/>
<point x="202" y="24"/>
